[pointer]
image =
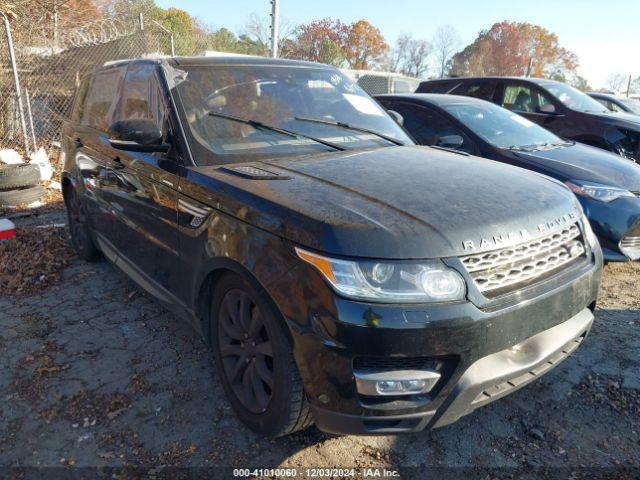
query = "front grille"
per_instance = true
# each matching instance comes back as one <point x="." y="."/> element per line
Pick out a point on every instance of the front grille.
<point x="394" y="363"/>
<point x="501" y="271"/>
<point x="630" y="246"/>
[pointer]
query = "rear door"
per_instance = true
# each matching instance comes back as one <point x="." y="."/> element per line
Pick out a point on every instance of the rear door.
<point x="142" y="194"/>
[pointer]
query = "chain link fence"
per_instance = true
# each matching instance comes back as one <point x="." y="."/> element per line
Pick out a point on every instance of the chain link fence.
<point x="49" y="66"/>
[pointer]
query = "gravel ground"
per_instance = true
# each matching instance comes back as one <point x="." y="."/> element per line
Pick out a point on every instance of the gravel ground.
<point x="96" y="374"/>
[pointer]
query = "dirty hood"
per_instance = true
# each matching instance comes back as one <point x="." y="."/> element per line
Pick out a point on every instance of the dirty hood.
<point x="396" y="202"/>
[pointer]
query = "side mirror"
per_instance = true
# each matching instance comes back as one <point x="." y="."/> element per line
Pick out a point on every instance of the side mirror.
<point x="450" y="141"/>
<point x="137" y="135"/>
<point x="396" y="116"/>
<point x="547" y="108"/>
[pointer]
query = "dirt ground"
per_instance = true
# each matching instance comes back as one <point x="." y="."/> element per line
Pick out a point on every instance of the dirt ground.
<point x="96" y="374"/>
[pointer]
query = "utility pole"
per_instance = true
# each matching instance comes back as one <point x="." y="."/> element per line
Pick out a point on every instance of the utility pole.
<point x="529" y="66"/>
<point x="16" y="81"/>
<point x="628" y="86"/>
<point x="275" y="14"/>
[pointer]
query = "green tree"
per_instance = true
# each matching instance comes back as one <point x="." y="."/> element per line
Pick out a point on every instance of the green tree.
<point x="581" y="83"/>
<point x="223" y="40"/>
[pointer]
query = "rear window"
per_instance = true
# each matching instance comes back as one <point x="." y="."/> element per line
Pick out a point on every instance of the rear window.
<point x="101" y="99"/>
<point x="483" y="90"/>
<point x="437" y="87"/>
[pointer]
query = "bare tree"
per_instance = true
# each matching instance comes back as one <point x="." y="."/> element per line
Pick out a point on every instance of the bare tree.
<point x="410" y="56"/>
<point x="445" y="43"/>
<point x="617" y="82"/>
<point x="257" y="29"/>
<point x="417" y="58"/>
<point x="398" y="53"/>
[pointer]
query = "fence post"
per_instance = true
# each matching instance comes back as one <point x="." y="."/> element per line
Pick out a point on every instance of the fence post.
<point x="33" y="132"/>
<point x="165" y="29"/>
<point x="16" y="80"/>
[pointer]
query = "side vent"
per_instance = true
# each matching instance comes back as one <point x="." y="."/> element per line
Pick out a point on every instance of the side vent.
<point x="254" y="173"/>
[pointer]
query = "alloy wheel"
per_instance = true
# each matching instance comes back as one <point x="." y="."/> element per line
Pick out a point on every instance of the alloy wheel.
<point x="246" y="350"/>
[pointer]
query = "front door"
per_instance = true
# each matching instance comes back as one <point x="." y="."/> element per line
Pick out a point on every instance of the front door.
<point x="142" y="191"/>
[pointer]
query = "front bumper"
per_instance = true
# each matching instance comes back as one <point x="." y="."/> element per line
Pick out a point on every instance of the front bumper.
<point x="471" y="340"/>
<point x="612" y="222"/>
<point x="486" y="380"/>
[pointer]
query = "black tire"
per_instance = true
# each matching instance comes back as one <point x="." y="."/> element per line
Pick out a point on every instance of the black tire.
<point x="248" y="339"/>
<point x="21" y="196"/>
<point x="80" y="232"/>
<point x="16" y="176"/>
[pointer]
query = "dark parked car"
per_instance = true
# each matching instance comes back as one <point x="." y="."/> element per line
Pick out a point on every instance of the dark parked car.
<point x="607" y="186"/>
<point x="616" y="103"/>
<point x="567" y="112"/>
<point x="340" y="273"/>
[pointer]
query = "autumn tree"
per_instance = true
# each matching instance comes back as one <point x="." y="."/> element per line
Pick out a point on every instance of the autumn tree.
<point x="365" y="47"/>
<point x="445" y="43"/>
<point x="319" y="41"/>
<point x="358" y="45"/>
<point x="511" y="48"/>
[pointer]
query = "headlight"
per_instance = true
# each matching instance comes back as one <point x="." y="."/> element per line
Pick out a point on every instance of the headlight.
<point x="394" y="282"/>
<point x="596" y="191"/>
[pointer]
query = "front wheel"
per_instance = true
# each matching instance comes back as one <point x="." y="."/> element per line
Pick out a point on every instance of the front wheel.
<point x="254" y="360"/>
<point x="81" y="239"/>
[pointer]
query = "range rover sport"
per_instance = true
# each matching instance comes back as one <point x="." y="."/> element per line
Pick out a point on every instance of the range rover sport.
<point x="340" y="273"/>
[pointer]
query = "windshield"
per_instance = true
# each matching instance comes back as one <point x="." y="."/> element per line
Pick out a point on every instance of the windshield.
<point x="631" y="104"/>
<point x="574" y="99"/>
<point x="281" y="97"/>
<point x="500" y="127"/>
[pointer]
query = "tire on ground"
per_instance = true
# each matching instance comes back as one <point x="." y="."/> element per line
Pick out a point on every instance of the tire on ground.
<point x="21" y="196"/>
<point x="289" y="409"/>
<point x="17" y="176"/>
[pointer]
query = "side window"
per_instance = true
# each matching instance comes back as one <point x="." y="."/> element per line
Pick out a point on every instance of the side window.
<point x="141" y="97"/>
<point x="522" y="98"/>
<point x="614" y="107"/>
<point x="428" y="126"/>
<point x="101" y="99"/>
<point x="483" y="90"/>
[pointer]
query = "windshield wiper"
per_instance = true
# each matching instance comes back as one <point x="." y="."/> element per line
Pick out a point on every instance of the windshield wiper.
<point x="270" y="128"/>
<point x="351" y="127"/>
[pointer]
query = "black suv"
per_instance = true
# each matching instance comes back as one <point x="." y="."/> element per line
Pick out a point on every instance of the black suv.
<point x="558" y="107"/>
<point x="339" y="273"/>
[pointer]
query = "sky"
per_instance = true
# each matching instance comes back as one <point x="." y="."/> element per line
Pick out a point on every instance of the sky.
<point x="604" y="34"/>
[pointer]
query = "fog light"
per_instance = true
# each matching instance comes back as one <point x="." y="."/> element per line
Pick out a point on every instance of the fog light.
<point x="403" y="387"/>
<point x="396" y="382"/>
